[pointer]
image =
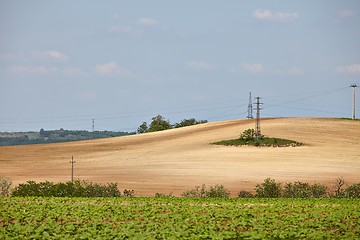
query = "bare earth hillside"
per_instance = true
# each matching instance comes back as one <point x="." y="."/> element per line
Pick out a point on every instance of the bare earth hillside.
<point x="179" y="159"/>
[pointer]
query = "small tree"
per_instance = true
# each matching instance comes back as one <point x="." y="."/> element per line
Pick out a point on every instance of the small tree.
<point x="248" y="135"/>
<point x="159" y="123"/>
<point x="338" y="185"/>
<point x="268" y="189"/>
<point x="143" y="128"/>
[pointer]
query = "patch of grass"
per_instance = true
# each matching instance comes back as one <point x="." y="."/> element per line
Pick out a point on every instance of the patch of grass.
<point x="264" y="142"/>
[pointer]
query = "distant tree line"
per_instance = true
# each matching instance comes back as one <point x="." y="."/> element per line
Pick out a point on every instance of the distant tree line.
<point x="159" y="123"/>
<point x="54" y="136"/>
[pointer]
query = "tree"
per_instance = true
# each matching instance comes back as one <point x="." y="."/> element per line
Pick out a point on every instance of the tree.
<point x="159" y="124"/>
<point x="189" y="122"/>
<point x="268" y="189"/>
<point x="143" y="128"/>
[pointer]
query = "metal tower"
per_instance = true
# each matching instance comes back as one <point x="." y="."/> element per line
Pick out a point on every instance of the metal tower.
<point x="257" y="125"/>
<point x="250" y="108"/>
<point x="354" y="86"/>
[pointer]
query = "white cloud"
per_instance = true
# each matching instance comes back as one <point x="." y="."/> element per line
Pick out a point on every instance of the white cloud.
<point x="111" y="68"/>
<point x="124" y="29"/>
<point x="49" y="55"/>
<point x="200" y="65"/>
<point x="346" y="13"/>
<point x="38" y="70"/>
<point x="268" y="15"/>
<point x="148" y="22"/>
<point x="354" y="69"/>
<point x="57" y="55"/>
<point x="254" y="68"/>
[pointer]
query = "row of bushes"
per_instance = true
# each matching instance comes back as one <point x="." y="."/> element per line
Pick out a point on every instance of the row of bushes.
<point x="268" y="189"/>
<point x="272" y="189"/>
<point x="77" y="188"/>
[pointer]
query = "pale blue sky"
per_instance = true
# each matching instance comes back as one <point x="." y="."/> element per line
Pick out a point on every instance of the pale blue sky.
<point x="63" y="63"/>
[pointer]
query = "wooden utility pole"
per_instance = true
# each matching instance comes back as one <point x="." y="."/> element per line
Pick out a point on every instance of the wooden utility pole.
<point x="72" y="168"/>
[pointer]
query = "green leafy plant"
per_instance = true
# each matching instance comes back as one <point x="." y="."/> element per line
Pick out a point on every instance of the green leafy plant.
<point x="268" y="189"/>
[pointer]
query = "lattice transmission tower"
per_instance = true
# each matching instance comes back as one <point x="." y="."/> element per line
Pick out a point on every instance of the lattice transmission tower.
<point x="257" y="125"/>
<point x="250" y="108"/>
<point x="354" y="86"/>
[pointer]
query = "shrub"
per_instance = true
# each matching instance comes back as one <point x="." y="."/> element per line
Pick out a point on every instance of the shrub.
<point x="318" y="190"/>
<point x="197" y="192"/>
<point x="304" y="190"/>
<point x="163" y="195"/>
<point x="297" y="190"/>
<point x="245" y="194"/>
<point x="353" y="191"/>
<point x="268" y="189"/>
<point x="69" y="189"/>
<point x="5" y="184"/>
<point x="129" y="193"/>
<point x="216" y="191"/>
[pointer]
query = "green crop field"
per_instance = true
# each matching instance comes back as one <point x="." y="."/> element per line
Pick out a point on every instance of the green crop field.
<point x="178" y="218"/>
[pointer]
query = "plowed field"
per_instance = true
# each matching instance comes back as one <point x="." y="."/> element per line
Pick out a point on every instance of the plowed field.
<point x="176" y="160"/>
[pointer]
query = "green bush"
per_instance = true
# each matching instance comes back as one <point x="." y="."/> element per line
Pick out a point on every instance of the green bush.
<point x="353" y="191"/>
<point x="304" y="190"/>
<point x="318" y="191"/>
<point x="216" y="191"/>
<point x="69" y="189"/>
<point x="245" y="194"/>
<point x="268" y="189"/>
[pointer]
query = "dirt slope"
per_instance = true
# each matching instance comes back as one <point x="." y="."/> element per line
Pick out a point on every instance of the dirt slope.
<point x="178" y="159"/>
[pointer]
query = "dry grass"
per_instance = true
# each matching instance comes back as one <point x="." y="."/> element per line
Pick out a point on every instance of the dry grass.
<point x="178" y="159"/>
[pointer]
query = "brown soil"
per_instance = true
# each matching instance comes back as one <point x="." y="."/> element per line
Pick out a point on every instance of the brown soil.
<point x="179" y="159"/>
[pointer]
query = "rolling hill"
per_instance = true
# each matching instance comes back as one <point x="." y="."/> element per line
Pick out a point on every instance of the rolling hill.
<point x="178" y="159"/>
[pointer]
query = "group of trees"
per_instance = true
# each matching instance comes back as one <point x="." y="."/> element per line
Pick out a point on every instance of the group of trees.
<point x="53" y="136"/>
<point x="159" y="123"/>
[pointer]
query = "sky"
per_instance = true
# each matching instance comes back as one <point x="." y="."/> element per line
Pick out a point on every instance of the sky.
<point x="64" y="63"/>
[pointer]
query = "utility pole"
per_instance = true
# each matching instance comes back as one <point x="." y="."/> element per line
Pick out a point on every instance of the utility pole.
<point x="72" y="168"/>
<point x="250" y="108"/>
<point x="93" y="124"/>
<point x="354" y="86"/>
<point x="257" y="125"/>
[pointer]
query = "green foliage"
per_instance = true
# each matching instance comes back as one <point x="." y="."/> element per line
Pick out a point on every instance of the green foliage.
<point x="5" y="184"/>
<point x="178" y="218"/>
<point x="53" y="136"/>
<point x="304" y="190"/>
<point x="263" y="142"/>
<point x="248" y="135"/>
<point x="143" y="128"/>
<point x="77" y="188"/>
<point x="188" y="122"/>
<point x="353" y="191"/>
<point x="245" y="194"/>
<point x="159" y="123"/>
<point x="268" y="189"/>
<point x="216" y="191"/>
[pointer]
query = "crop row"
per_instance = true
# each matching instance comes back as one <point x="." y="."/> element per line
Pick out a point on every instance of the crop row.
<point x="174" y="218"/>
